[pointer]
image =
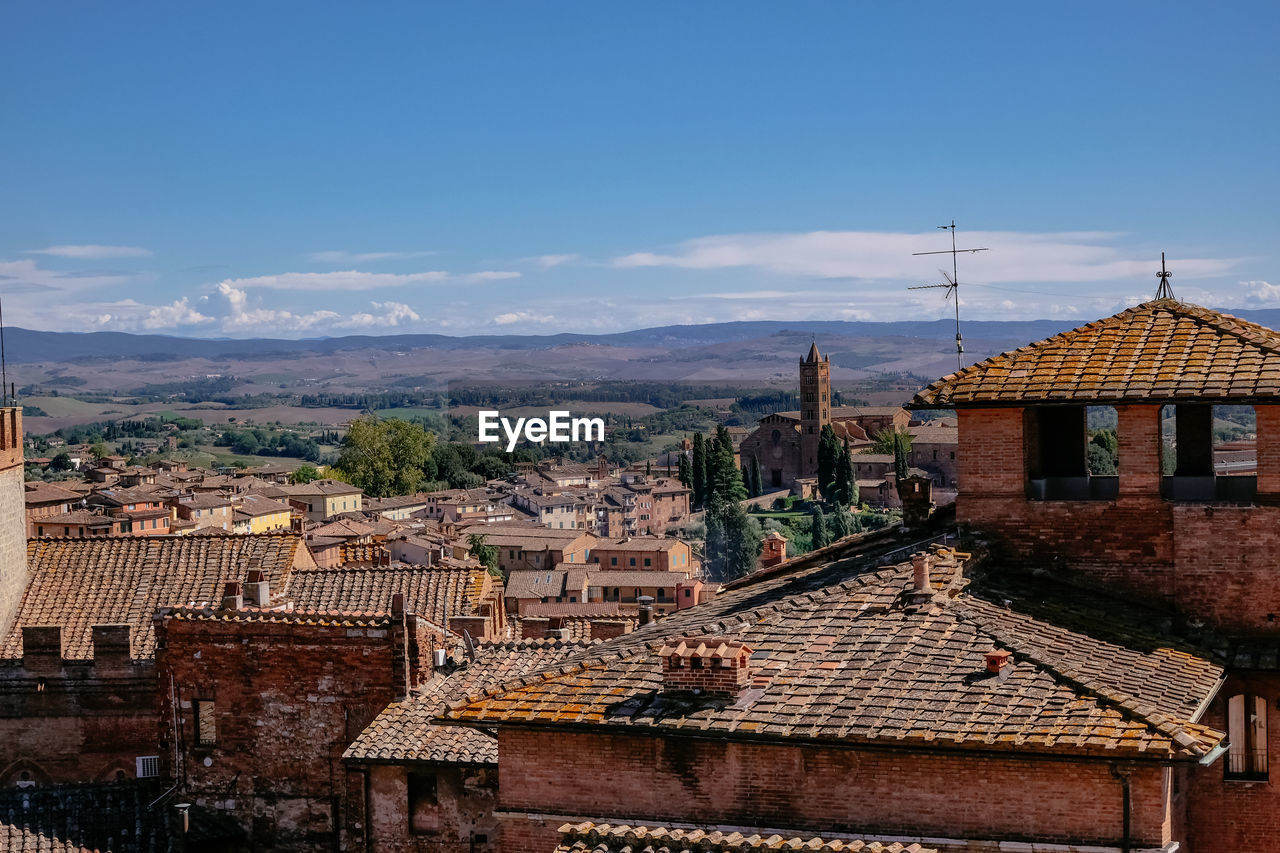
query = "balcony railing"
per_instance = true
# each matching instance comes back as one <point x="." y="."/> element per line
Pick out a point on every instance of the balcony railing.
<point x="1089" y="488"/>
<point x="1242" y="489"/>
<point x="1250" y="765"/>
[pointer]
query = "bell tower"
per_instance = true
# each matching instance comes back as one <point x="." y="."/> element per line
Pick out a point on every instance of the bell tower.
<point x="815" y="406"/>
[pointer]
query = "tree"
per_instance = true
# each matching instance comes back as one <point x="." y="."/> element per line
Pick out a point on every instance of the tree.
<point x="733" y="542"/>
<point x="699" y="470"/>
<point x="484" y="552"/>
<point x="846" y="482"/>
<point x="1100" y="461"/>
<point x="901" y="455"/>
<point x="385" y="457"/>
<point x="828" y="459"/>
<point x="683" y="472"/>
<point x="724" y="480"/>
<point x="885" y="440"/>
<point x="304" y="474"/>
<point x="819" y="529"/>
<point x="842" y="522"/>
<point x="756" y="480"/>
<point x="99" y="451"/>
<point x="61" y="462"/>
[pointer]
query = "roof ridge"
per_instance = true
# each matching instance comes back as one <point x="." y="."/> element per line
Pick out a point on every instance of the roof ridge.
<point x="1127" y="704"/>
<point x="1209" y="317"/>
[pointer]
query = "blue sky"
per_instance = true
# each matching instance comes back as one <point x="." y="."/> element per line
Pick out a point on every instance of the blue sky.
<point x="318" y="169"/>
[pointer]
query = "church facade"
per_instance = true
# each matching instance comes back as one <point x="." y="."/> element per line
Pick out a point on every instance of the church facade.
<point x="785" y="444"/>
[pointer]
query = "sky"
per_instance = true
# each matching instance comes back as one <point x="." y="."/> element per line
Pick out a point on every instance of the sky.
<point x="314" y="169"/>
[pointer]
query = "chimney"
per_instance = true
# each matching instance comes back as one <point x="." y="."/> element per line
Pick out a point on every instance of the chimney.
<point x="646" y="609"/>
<point x="232" y="595"/>
<point x="920" y="565"/>
<point x="558" y="634"/>
<point x="111" y="646"/>
<point x="397" y="605"/>
<point x="998" y="659"/>
<point x="257" y="590"/>
<point x="41" y="647"/>
<point x="439" y="658"/>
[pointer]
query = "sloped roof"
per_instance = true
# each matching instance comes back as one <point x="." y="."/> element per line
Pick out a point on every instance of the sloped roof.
<point x="842" y="653"/>
<point x="1159" y="351"/>
<point x="404" y="731"/>
<point x="590" y="837"/>
<point x="435" y="593"/>
<point x="79" y="583"/>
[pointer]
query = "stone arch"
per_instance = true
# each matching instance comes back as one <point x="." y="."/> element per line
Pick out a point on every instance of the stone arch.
<point x="24" y="773"/>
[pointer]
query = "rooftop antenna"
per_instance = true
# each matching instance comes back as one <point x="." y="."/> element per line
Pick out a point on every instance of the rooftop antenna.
<point x="1164" y="291"/>
<point x="4" y="369"/>
<point x="953" y="284"/>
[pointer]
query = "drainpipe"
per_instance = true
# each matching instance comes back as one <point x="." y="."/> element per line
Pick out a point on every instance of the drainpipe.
<point x="1123" y="779"/>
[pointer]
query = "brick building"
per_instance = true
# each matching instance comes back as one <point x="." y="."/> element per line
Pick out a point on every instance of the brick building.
<point x="1105" y="676"/>
<point x="785" y="444"/>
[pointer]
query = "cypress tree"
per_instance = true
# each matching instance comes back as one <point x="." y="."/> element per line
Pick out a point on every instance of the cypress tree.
<point x="757" y="482"/>
<point x="683" y="472"/>
<point x="699" y="470"/>
<point x="828" y="459"/>
<point x="901" y="459"/>
<point x="848" y="483"/>
<point x="820" y="535"/>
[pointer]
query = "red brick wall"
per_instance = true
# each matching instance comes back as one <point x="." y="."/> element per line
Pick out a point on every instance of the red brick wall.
<point x="1233" y="815"/>
<point x="652" y="779"/>
<point x="465" y="799"/>
<point x="289" y="698"/>
<point x="81" y="727"/>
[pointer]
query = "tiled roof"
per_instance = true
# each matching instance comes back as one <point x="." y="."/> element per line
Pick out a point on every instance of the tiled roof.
<point x="350" y="618"/>
<point x="1158" y="351"/>
<point x="621" y="838"/>
<point x="78" y="583"/>
<point x="37" y="492"/>
<point x="435" y="593"/>
<point x="844" y="652"/>
<point x="404" y="731"/>
<point x="363" y="553"/>
<point x="120" y="817"/>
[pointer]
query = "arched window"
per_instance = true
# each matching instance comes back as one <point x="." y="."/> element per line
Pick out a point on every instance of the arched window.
<point x="1247" y="737"/>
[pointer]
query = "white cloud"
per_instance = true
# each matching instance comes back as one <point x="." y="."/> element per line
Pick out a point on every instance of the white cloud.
<point x="342" y="257"/>
<point x="349" y="280"/>
<point x="27" y="275"/>
<point x="270" y="320"/>
<point x="549" y="261"/>
<point x="1260" y="294"/>
<point x="392" y="314"/>
<point x="177" y="313"/>
<point x="522" y="317"/>
<point x="869" y="255"/>
<point x="92" y="252"/>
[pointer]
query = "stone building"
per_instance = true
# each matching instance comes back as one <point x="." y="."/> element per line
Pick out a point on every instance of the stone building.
<point x="785" y="444"/>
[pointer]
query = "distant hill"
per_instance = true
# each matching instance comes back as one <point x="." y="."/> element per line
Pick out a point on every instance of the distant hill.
<point x="29" y="346"/>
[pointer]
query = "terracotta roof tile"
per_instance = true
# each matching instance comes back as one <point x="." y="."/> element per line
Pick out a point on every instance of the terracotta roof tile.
<point x="844" y="651"/>
<point x="405" y="730"/>
<point x="78" y="583"/>
<point x="589" y="837"/>
<point x="435" y="593"/>
<point x="1158" y="351"/>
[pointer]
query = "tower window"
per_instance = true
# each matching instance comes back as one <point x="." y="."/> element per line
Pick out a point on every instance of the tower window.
<point x="1247" y="737"/>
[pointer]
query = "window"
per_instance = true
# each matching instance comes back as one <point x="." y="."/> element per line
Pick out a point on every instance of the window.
<point x="1246" y="737"/>
<point x="147" y="766"/>
<point x="1209" y="453"/>
<point x="613" y="561"/>
<point x="688" y="593"/>
<point x="648" y="562"/>
<point x="633" y="561"/>
<point x="206" y="723"/>
<point x="424" y="814"/>
<point x="1070" y="453"/>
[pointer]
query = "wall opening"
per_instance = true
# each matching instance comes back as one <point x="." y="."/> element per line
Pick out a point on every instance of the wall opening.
<point x="1070" y="453"/>
<point x="1208" y="453"/>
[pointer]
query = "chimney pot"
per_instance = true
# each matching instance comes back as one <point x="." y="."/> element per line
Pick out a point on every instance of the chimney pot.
<point x="232" y="595"/>
<point x="998" y="659"/>
<point x="645" y="609"/>
<point x="920" y="565"/>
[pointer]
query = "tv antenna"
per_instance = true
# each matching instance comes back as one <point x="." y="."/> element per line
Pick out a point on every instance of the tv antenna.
<point x="953" y="284"/>
<point x="1164" y="291"/>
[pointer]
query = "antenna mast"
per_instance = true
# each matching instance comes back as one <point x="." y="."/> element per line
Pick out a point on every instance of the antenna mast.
<point x="1164" y="291"/>
<point x="952" y="286"/>
<point x="4" y="369"/>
